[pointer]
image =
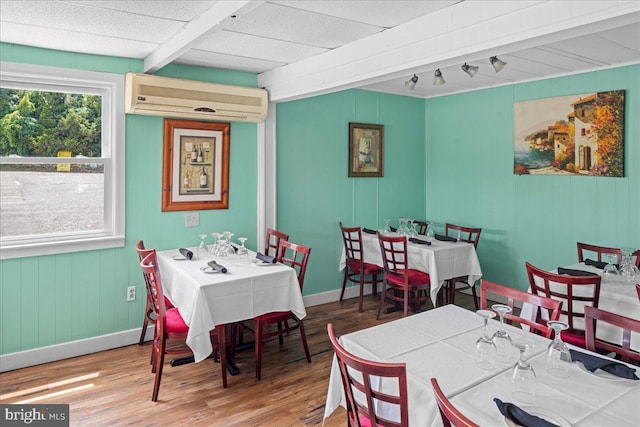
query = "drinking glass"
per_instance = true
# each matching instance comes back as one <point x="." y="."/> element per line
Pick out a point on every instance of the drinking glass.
<point x="610" y="270"/>
<point x="213" y="251"/>
<point x="243" y="252"/>
<point x="387" y="228"/>
<point x="485" y="351"/>
<point x="628" y="270"/>
<point x="201" y="252"/>
<point x="430" y="233"/>
<point x="501" y="338"/>
<point x="558" y="355"/>
<point x="523" y="379"/>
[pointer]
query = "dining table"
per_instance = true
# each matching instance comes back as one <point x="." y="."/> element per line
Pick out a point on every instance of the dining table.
<point x="443" y="260"/>
<point x="207" y="298"/>
<point x="616" y="295"/>
<point x="440" y="343"/>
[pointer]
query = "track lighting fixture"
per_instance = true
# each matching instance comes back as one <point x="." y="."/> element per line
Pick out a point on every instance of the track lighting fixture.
<point x="411" y="83"/>
<point x="472" y="70"/>
<point x="438" y="80"/>
<point x="497" y="64"/>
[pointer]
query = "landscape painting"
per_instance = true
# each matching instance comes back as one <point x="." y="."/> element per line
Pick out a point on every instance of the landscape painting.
<point x="570" y="135"/>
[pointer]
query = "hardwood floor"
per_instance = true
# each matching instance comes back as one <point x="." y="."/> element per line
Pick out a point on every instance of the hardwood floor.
<point x="113" y="388"/>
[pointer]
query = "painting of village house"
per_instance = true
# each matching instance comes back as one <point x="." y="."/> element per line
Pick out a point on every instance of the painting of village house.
<point x="570" y="135"/>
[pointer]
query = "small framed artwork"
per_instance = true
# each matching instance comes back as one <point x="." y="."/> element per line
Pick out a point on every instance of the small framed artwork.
<point x="366" y="150"/>
<point x="195" y="165"/>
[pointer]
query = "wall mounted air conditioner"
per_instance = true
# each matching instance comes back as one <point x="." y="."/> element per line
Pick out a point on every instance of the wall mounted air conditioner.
<point x="164" y="96"/>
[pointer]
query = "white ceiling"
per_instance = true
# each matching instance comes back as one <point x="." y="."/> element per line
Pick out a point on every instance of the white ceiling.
<point x="302" y="48"/>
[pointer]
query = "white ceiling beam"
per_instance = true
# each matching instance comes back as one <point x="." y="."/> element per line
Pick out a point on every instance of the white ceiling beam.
<point x="190" y="33"/>
<point x="467" y="30"/>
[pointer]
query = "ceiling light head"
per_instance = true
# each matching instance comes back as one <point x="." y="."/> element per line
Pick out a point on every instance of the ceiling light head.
<point x="472" y="70"/>
<point x="438" y="80"/>
<point x="411" y="83"/>
<point x="497" y="64"/>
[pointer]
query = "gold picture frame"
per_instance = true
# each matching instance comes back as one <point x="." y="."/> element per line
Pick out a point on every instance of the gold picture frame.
<point x="195" y="165"/>
<point x="366" y="150"/>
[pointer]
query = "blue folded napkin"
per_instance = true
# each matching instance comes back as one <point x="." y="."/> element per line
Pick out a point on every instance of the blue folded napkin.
<point x="598" y="264"/>
<point x="217" y="267"/>
<point x="266" y="258"/>
<point x="418" y="241"/>
<point x="186" y="253"/>
<point x="592" y="363"/>
<point x="519" y="416"/>
<point x="368" y="231"/>
<point x="445" y="238"/>
<point x="572" y="272"/>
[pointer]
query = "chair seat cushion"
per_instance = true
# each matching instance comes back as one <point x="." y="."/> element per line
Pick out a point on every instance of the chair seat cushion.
<point x="575" y="337"/>
<point x="368" y="267"/>
<point x="416" y="277"/>
<point x="167" y="303"/>
<point x="174" y="322"/>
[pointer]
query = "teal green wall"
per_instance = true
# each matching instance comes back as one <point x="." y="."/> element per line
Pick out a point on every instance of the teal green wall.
<point x="534" y="218"/>
<point x="314" y="191"/>
<point x="59" y="298"/>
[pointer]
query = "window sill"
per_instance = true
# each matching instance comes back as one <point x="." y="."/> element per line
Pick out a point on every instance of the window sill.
<point x="23" y="250"/>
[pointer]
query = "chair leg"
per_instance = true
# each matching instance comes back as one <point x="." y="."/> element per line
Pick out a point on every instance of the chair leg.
<point x="158" y="368"/>
<point x="382" y="294"/>
<point x="374" y="284"/>
<point x="304" y="340"/>
<point x="361" y="292"/>
<point x="145" y="322"/>
<point x="258" y="347"/>
<point x="344" y="282"/>
<point x="222" y="343"/>
<point x="406" y="302"/>
<point x="475" y="296"/>
<point x="280" y="337"/>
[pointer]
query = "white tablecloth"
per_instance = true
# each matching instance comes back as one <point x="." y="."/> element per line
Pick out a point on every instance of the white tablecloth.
<point x="208" y="300"/>
<point x="440" y="343"/>
<point x="437" y="343"/>
<point x="617" y="297"/>
<point x="442" y="260"/>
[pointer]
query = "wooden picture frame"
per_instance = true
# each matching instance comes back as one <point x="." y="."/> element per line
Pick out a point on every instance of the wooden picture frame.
<point x="195" y="165"/>
<point x="366" y="150"/>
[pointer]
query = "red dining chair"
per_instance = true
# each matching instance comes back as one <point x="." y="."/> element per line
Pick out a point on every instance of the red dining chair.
<point x="356" y="270"/>
<point x="171" y="328"/>
<point x="148" y="309"/>
<point x="626" y="324"/>
<point x="470" y="235"/>
<point x="421" y="227"/>
<point x="273" y="241"/>
<point x="360" y="377"/>
<point x="450" y="415"/>
<point x="638" y="291"/>
<point x="296" y="257"/>
<point x="535" y="323"/>
<point x="575" y="292"/>
<point x="399" y="277"/>
<point x="588" y="251"/>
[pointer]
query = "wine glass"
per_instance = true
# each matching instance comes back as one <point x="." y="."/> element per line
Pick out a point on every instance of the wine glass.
<point x="387" y="228"/>
<point x="523" y="379"/>
<point x="485" y="352"/>
<point x="610" y="270"/>
<point x="628" y="270"/>
<point x="430" y="233"/>
<point x="501" y="338"/>
<point x="213" y="251"/>
<point x="201" y="252"/>
<point x="243" y="252"/>
<point x="558" y="355"/>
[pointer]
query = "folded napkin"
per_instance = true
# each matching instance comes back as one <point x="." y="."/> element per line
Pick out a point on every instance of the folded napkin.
<point x="266" y="258"/>
<point x="519" y="416"/>
<point x="368" y="231"/>
<point x="572" y="272"/>
<point x="217" y="267"/>
<point x="592" y="363"/>
<point x="393" y="229"/>
<point x="418" y="241"/>
<point x="445" y="238"/>
<point x="598" y="264"/>
<point x="186" y="253"/>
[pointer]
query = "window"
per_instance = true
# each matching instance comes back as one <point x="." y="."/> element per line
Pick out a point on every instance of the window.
<point x="61" y="160"/>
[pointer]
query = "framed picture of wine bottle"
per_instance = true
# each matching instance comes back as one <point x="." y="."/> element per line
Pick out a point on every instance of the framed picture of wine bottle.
<point x="195" y="165"/>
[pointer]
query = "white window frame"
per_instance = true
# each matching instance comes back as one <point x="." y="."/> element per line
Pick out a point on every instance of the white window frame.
<point x="111" y="87"/>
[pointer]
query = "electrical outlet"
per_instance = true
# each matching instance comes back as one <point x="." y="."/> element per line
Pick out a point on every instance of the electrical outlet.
<point x="191" y="219"/>
<point x="131" y="293"/>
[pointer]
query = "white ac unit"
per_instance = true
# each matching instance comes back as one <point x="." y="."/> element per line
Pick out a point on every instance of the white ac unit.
<point x="164" y="96"/>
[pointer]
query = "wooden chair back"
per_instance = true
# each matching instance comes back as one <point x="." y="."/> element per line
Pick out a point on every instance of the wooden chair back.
<point x="449" y="413"/>
<point x="295" y="256"/>
<point x="627" y="324"/>
<point x="364" y="375"/>
<point x="467" y="234"/>
<point x="540" y="303"/>
<point x="575" y="292"/>
<point x="597" y="253"/>
<point x="421" y="227"/>
<point x="273" y="241"/>
<point x="638" y="291"/>
<point x="394" y="256"/>
<point x="142" y="254"/>
<point x="352" y="239"/>
<point x="152" y="276"/>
